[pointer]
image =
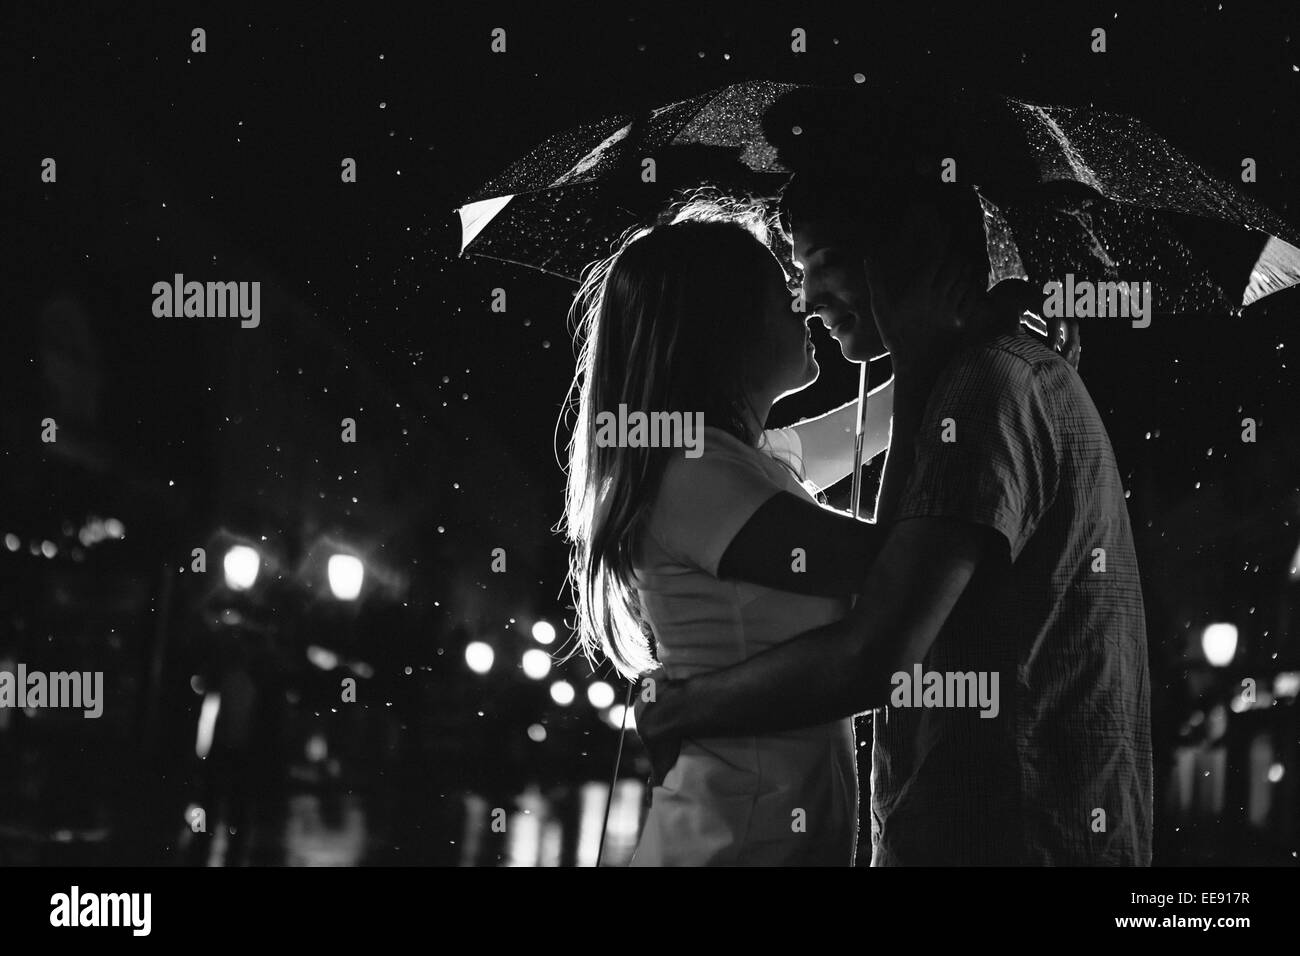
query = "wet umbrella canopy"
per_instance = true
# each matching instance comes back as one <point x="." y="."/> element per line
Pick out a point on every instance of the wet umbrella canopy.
<point x="1095" y="195"/>
<point x="566" y="202"/>
<point x="1064" y="191"/>
<point x="1068" y="195"/>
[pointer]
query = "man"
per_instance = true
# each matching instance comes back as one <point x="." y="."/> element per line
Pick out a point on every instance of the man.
<point x="1001" y="627"/>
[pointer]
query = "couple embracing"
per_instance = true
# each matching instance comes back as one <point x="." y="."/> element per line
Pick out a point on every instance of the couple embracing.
<point x="758" y="622"/>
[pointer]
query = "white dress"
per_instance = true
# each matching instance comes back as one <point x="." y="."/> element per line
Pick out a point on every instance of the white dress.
<point x="767" y="800"/>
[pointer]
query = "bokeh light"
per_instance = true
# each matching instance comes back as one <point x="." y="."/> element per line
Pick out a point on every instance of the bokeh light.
<point x="537" y="663"/>
<point x="241" y="565"/>
<point x="600" y="694"/>
<point x="346" y="574"/>
<point x="479" y="656"/>
<point x="1219" y="643"/>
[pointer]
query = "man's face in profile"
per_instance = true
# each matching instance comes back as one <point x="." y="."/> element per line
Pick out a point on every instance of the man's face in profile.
<point x="835" y="288"/>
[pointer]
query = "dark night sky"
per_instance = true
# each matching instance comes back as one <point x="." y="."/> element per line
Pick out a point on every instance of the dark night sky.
<point x="168" y="159"/>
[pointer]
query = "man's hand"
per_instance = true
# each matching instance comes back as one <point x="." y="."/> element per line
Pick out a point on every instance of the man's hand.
<point x="661" y="746"/>
<point x="1017" y="296"/>
<point x="1064" y="336"/>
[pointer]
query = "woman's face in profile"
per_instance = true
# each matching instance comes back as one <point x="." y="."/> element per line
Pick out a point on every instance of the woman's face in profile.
<point x="783" y="355"/>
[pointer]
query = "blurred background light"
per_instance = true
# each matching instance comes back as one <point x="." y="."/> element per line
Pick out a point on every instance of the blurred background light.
<point x="616" y="714"/>
<point x="537" y="663"/>
<point x="562" y="693"/>
<point x="322" y="657"/>
<point x="317" y="748"/>
<point x="346" y="574"/>
<point x="479" y="656"/>
<point x="543" y="633"/>
<point x="207" y="725"/>
<point x="600" y="694"/>
<point x="241" y="565"/>
<point x="1287" y="684"/>
<point x="1219" y="643"/>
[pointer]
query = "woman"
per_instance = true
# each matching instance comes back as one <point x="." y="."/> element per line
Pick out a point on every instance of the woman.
<point x="695" y="563"/>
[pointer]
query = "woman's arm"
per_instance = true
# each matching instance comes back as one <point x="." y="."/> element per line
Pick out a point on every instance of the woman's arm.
<point x="791" y="544"/>
<point x="827" y="440"/>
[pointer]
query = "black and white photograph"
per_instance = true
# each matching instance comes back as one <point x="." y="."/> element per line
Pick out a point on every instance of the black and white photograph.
<point x="582" y="436"/>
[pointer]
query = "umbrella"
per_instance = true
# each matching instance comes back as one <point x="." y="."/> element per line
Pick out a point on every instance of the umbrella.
<point x="1085" y="193"/>
<point x="1064" y="190"/>
<point x="569" y="199"/>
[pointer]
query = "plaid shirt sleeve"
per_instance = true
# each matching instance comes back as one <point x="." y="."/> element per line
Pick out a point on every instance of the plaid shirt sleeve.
<point x="986" y="449"/>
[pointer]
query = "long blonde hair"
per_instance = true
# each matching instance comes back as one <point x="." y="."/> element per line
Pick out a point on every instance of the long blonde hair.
<point x="662" y="325"/>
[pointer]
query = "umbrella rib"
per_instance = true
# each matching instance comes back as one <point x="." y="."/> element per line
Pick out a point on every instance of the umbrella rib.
<point x="516" y="262"/>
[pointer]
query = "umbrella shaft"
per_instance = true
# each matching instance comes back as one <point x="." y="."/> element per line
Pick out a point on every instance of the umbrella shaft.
<point x="859" y="437"/>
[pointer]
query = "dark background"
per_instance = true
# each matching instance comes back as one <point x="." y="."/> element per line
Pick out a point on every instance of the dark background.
<point x="225" y="166"/>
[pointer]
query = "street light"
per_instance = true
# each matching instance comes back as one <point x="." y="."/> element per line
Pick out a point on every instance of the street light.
<point x="241" y="565"/>
<point x="600" y="694"/>
<point x="537" y="663"/>
<point x="479" y="656"/>
<point x="1219" y="643"/>
<point x="616" y="716"/>
<point x="346" y="573"/>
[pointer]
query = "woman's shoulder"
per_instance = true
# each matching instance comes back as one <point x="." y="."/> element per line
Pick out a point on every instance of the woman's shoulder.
<point x="718" y="452"/>
<point x="702" y="501"/>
